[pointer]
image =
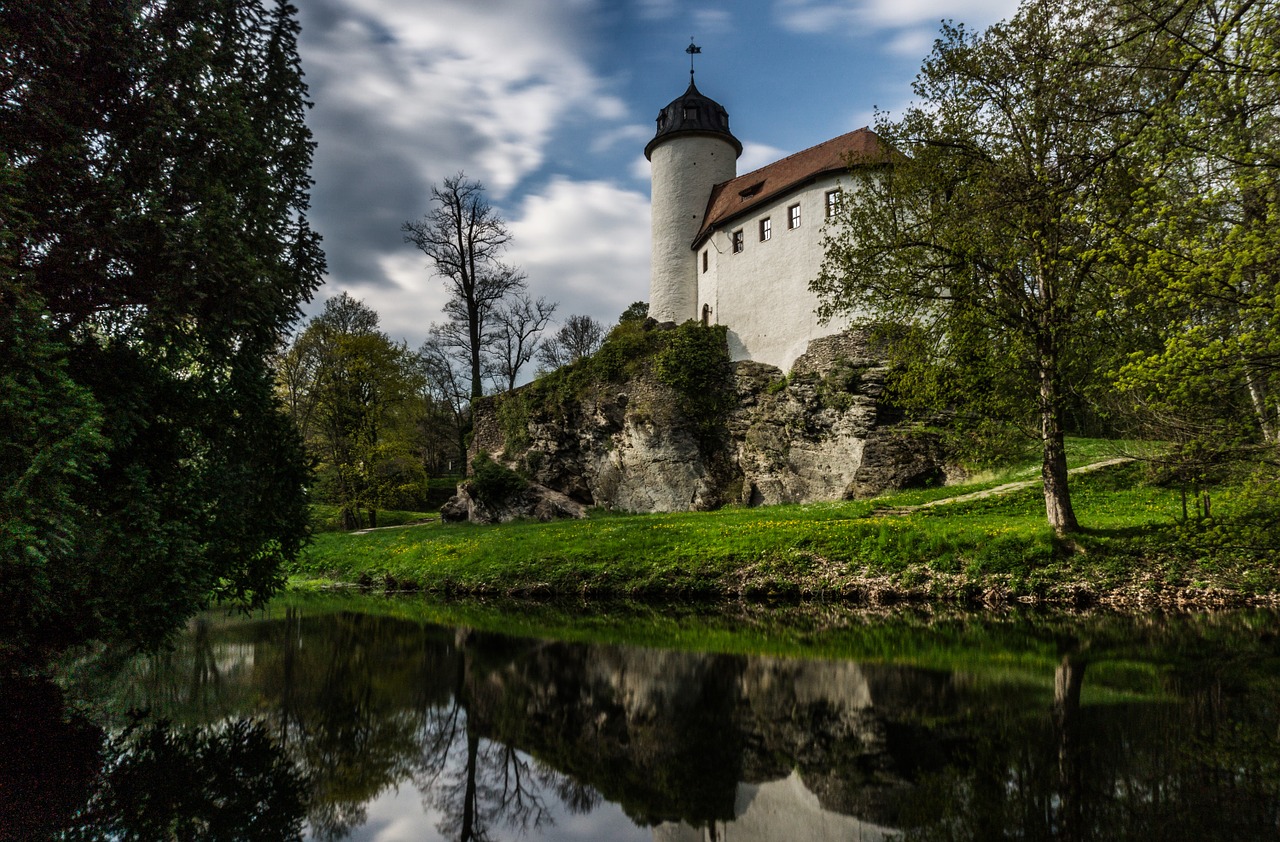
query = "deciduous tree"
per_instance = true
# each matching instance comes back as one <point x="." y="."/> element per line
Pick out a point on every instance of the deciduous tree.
<point x="983" y="241"/>
<point x="355" y="405"/>
<point x="580" y="336"/>
<point x="516" y="338"/>
<point x="463" y="237"/>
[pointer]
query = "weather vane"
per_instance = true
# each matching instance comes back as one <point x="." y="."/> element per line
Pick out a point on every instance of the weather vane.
<point x="693" y="49"/>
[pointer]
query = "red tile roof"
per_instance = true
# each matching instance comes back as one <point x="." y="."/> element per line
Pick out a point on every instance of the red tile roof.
<point x="745" y="193"/>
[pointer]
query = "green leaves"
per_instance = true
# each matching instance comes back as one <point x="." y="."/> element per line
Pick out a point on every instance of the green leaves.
<point x="159" y="242"/>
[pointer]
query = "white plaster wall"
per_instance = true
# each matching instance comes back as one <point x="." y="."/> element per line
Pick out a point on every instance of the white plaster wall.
<point x="782" y="809"/>
<point x="762" y="294"/>
<point x="684" y="171"/>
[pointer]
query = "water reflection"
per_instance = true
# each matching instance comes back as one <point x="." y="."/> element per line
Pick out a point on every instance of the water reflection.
<point x="1108" y="728"/>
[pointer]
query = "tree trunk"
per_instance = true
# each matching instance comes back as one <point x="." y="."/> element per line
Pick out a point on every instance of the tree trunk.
<point x="1268" y="424"/>
<point x="475" y="338"/>
<point x="1067" y="681"/>
<point x="1053" y="467"/>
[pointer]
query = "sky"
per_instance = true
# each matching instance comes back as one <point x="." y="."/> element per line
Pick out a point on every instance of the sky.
<point x="549" y="104"/>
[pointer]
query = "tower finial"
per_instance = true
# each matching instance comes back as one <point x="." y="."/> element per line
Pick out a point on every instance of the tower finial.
<point x="693" y="49"/>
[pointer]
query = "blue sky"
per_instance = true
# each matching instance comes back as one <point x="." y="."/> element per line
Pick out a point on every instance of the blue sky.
<point x="549" y="104"/>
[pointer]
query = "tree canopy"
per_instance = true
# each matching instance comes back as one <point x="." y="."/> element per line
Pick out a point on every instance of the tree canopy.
<point x="155" y="188"/>
<point x="982" y="241"/>
<point x="1082" y="214"/>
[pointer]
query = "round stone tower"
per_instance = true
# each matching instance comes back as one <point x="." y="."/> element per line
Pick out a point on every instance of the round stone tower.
<point x="692" y="152"/>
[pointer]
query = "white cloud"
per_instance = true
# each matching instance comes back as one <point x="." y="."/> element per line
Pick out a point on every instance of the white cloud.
<point x="407" y="94"/>
<point x="629" y="135"/>
<point x="756" y="155"/>
<point x="912" y="43"/>
<point x="481" y="83"/>
<point x="814" y="16"/>
<point x="712" y="21"/>
<point x="584" y="244"/>
<point x="641" y="169"/>
<point x="656" y="9"/>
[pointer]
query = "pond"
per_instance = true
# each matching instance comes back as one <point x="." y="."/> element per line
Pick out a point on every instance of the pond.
<point x="368" y="719"/>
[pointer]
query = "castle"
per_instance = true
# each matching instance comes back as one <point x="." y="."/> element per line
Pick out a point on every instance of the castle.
<point x="740" y="250"/>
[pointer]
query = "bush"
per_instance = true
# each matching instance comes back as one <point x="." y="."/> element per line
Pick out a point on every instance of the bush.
<point x="493" y="483"/>
<point x="695" y="363"/>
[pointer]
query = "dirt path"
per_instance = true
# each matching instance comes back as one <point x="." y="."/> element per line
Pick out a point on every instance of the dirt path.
<point x="417" y="522"/>
<point x="999" y="489"/>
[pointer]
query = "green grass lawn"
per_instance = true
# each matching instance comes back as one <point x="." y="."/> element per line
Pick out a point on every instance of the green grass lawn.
<point x="839" y="549"/>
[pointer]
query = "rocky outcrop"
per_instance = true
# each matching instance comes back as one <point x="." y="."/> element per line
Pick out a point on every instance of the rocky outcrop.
<point x="533" y="502"/>
<point x="820" y="433"/>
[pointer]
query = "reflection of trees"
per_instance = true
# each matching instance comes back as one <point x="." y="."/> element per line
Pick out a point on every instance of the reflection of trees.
<point x="480" y="785"/>
<point x="1198" y="764"/>
<point x="500" y="734"/>
<point x="163" y="782"/>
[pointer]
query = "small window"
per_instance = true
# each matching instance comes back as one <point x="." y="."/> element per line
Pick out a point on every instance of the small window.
<point x="704" y="260"/>
<point x="737" y="241"/>
<point x="766" y="229"/>
<point x="706" y="315"/>
<point x="833" y="202"/>
<point x="793" y="216"/>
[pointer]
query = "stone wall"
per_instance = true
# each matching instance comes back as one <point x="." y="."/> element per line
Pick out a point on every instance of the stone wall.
<point x="821" y="433"/>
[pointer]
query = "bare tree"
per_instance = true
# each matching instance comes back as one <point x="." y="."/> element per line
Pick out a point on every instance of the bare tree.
<point x="518" y="325"/>
<point x="463" y="236"/>
<point x="580" y="337"/>
<point x="444" y="384"/>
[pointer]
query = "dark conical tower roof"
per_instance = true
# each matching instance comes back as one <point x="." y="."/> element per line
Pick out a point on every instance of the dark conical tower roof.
<point x="692" y="113"/>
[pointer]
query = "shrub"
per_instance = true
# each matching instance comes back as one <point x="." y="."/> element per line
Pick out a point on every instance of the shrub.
<point x="493" y="483"/>
<point x="695" y="363"/>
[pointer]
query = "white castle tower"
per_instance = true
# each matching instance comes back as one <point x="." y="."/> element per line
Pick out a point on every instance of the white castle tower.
<point x="692" y="152"/>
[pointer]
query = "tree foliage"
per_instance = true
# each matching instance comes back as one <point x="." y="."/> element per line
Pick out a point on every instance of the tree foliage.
<point x="982" y="244"/>
<point x="353" y="393"/>
<point x="1205" y="249"/>
<point x="155" y="192"/>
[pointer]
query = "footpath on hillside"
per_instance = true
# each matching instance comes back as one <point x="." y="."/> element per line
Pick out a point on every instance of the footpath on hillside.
<point x="1006" y="488"/>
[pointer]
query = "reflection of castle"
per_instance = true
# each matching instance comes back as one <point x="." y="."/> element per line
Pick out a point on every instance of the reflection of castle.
<point x="783" y="809"/>
<point x="740" y="250"/>
<point x="693" y="744"/>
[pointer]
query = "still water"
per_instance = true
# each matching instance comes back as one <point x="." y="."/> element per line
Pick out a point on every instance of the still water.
<point x="368" y="720"/>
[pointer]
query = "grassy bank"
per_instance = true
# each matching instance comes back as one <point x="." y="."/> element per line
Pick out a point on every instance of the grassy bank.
<point x="1134" y="550"/>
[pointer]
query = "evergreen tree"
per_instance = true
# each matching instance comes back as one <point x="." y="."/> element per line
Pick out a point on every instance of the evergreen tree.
<point x="159" y="161"/>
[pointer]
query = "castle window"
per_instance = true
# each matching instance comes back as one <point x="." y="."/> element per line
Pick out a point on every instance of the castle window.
<point x="793" y="216"/>
<point x="704" y="260"/>
<point x="736" y="237"/>
<point x="833" y="202"/>
<point x="766" y="229"/>
<point x="706" y="315"/>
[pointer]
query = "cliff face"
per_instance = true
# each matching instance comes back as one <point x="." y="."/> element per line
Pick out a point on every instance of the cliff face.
<point x="635" y="444"/>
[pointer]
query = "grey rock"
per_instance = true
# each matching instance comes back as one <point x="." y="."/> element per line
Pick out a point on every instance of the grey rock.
<point x="821" y="433"/>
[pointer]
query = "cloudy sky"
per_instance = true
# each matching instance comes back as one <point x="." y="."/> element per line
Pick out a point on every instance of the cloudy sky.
<point x="549" y="103"/>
